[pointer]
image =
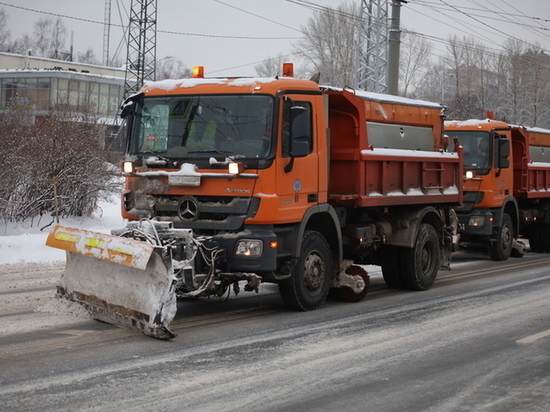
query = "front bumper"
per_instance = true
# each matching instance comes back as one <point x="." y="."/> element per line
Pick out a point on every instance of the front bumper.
<point x="265" y="262"/>
<point x="479" y="223"/>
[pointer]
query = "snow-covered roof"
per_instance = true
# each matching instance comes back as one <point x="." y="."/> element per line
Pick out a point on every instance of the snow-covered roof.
<point x="478" y="122"/>
<point x="56" y="73"/>
<point x="172" y="84"/>
<point x="538" y="130"/>
<point x="467" y="123"/>
<point x="387" y="98"/>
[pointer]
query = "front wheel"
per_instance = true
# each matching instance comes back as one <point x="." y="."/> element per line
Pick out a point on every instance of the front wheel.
<point x="501" y="248"/>
<point x="420" y="263"/>
<point x="308" y="287"/>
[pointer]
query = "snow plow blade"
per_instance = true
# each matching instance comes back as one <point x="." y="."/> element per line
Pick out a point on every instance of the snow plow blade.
<point x="120" y="281"/>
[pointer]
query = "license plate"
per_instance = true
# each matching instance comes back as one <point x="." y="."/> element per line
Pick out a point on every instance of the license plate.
<point x="183" y="180"/>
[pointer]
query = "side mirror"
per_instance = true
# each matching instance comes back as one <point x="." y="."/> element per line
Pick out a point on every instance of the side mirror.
<point x="503" y="153"/>
<point x="300" y="131"/>
<point x="127" y="107"/>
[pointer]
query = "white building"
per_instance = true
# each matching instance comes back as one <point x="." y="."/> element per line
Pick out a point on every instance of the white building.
<point x="45" y="83"/>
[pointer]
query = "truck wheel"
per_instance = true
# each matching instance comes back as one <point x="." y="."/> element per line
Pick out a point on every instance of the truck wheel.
<point x="501" y="248"/>
<point x="347" y="294"/>
<point x="420" y="264"/>
<point x="309" y="285"/>
<point x="390" y="267"/>
<point x="535" y="238"/>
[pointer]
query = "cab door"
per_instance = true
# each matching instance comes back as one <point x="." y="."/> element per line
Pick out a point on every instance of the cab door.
<point x="297" y="157"/>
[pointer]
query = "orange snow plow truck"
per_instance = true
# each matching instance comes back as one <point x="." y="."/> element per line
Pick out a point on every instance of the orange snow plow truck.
<point x="234" y="182"/>
<point x="506" y="186"/>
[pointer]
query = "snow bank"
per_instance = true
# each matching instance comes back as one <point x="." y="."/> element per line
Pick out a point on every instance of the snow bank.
<point x="21" y="242"/>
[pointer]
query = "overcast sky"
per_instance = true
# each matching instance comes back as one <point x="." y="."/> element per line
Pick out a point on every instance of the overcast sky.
<point x="229" y="37"/>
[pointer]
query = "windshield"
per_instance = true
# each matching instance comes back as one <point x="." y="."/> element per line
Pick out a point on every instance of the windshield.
<point x="477" y="148"/>
<point x="203" y="126"/>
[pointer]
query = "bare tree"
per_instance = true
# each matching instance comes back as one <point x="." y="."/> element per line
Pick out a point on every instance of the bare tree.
<point x="270" y="66"/>
<point x="49" y="37"/>
<point x="171" y="68"/>
<point x="414" y="57"/>
<point x="87" y="57"/>
<point x="22" y="45"/>
<point x="329" y="45"/>
<point x="434" y="84"/>
<point x="56" y="151"/>
<point x="5" y="34"/>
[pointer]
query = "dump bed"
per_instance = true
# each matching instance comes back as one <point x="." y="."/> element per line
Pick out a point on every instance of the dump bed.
<point x="388" y="151"/>
<point x="531" y="162"/>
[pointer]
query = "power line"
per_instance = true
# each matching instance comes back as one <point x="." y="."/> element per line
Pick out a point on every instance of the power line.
<point x="217" y="36"/>
<point x="436" y="4"/>
<point x="443" y="5"/>
<point x="257" y="15"/>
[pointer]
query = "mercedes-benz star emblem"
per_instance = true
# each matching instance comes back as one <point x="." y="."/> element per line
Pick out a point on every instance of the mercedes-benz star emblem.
<point x="188" y="210"/>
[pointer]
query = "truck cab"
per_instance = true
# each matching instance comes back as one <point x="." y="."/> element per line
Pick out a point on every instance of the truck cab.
<point x="496" y="194"/>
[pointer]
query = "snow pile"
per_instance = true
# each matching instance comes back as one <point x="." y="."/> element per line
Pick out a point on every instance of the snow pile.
<point x="21" y="242"/>
<point x="64" y="307"/>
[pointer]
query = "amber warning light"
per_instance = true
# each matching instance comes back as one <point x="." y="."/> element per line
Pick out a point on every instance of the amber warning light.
<point x="288" y="70"/>
<point x="198" y="72"/>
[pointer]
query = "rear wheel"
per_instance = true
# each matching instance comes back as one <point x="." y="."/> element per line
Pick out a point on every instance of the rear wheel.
<point x="309" y="284"/>
<point x="501" y="248"/>
<point x="420" y="264"/>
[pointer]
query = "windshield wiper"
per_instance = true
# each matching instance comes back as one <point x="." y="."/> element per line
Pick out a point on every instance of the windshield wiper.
<point x="161" y="160"/>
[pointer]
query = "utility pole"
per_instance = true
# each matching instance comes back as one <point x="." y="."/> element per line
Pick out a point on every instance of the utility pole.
<point x="394" y="42"/>
<point x="372" y="46"/>
<point x="106" y="32"/>
<point x="142" y="41"/>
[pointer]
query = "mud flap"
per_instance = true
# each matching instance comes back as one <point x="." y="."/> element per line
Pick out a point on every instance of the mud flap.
<point x="120" y="281"/>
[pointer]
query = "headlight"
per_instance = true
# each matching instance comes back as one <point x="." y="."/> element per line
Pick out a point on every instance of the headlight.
<point x="236" y="168"/>
<point x="249" y="247"/>
<point x="477" y="221"/>
<point x="128" y="167"/>
<point x="469" y="174"/>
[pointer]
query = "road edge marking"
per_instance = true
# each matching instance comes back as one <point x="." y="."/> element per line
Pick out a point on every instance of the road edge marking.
<point x="535" y="337"/>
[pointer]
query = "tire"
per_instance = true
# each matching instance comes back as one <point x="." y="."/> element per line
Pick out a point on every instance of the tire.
<point x="501" y="248"/>
<point x="347" y="294"/>
<point x="420" y="264"/>
<point x="535" y="238"/>
<point x="391" y="270"/>
<point x="308" y="287"/>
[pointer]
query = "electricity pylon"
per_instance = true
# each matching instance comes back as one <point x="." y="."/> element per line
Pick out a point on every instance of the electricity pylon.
<point x="372" y="46"/>
<point x="142" y="42"/>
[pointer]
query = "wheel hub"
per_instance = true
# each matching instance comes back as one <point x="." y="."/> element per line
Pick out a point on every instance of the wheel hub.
<point x="314" y="272"/>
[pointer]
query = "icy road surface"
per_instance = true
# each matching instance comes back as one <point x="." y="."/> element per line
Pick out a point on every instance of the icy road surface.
<point x="478" y="340"/>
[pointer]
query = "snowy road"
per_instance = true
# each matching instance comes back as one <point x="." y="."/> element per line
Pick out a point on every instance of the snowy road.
<point x="478" y="340"/>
